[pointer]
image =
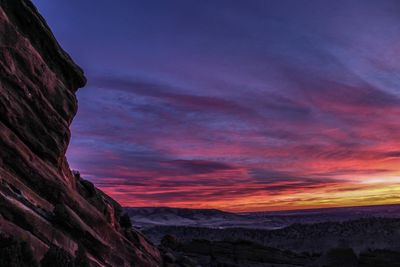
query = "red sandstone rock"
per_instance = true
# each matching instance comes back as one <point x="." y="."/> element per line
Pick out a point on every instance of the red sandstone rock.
<point x="41" y="201"/>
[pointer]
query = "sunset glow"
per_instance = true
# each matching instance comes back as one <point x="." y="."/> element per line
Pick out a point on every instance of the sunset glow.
<point x="236" y="105"/>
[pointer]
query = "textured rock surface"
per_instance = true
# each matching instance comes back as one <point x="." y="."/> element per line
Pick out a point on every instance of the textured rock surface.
<point x="41" y="201"/>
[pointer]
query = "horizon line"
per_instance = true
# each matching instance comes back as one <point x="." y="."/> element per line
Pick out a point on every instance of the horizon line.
<point x="265" y="211"/>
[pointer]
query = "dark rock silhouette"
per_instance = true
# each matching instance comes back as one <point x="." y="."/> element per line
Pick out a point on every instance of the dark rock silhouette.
<point x="44" y="205"/>
<point x="57" y="257"/>
<point x="15" y="253"/>
<point x="380" y="258"/>
<point x="339" y="257"/>
<point x="228" y="253"/>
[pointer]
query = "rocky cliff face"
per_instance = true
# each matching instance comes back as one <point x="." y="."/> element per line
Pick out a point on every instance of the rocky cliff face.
<point x="41" y="201"/>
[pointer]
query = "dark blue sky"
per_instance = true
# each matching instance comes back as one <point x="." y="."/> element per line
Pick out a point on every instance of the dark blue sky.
<point x="239" y="105"/>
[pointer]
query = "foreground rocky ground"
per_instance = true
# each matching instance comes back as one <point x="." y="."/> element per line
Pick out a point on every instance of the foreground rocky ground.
<point x="249" y="254"/>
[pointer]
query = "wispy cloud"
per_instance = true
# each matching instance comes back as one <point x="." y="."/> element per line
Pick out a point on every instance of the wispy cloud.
<point x="244" y="106"/>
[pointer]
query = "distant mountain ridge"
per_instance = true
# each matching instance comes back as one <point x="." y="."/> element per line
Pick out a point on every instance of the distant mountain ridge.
<point x="151" y="216"/>
<point x="145" y="217"/>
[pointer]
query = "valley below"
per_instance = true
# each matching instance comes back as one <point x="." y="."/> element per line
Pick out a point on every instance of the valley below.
<point x="354" y="236"/>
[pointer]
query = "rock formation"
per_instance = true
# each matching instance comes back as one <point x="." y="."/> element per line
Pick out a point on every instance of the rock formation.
<point x="42" y="202"/>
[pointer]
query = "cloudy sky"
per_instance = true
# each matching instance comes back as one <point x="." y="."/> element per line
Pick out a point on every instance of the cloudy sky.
<point x="237" y="105"/>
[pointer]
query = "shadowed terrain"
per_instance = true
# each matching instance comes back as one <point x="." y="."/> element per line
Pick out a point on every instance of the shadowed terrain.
<point x="353" y="236"/>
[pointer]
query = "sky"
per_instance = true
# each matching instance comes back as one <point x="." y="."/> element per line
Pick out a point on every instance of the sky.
<point x="244" y="105"/>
